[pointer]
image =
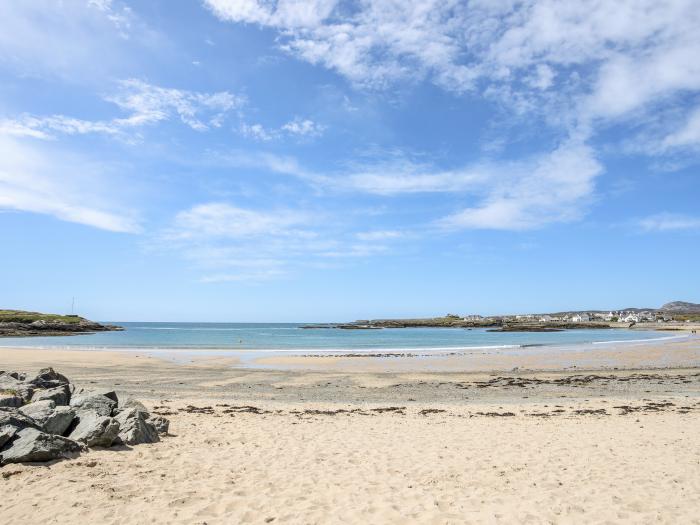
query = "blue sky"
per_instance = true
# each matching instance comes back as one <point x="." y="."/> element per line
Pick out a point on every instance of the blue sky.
<point x="237" y="160"/>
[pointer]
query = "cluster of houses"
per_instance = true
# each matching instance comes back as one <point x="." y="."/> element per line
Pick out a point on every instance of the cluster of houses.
<point x="620" y="316"/>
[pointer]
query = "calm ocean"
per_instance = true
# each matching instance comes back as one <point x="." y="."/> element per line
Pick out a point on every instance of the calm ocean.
<point x="284" y="337"/>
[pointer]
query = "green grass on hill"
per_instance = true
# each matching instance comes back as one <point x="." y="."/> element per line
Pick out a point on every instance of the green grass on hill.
<point x="19" y="316"/>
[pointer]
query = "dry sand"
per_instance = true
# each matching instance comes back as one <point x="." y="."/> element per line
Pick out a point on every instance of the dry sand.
<point x="302" y="446"/>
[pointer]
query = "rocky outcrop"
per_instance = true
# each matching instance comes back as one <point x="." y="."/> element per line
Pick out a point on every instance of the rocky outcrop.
<point x="45" y="417"/>
<point x="18" y="323"/>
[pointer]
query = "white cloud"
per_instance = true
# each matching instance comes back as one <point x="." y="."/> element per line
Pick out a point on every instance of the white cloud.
<point x="220" y="219"/>
<point x="227" y="242"/>
<point x="664" y="222"/>
<point x="688" y="136"/>
<point x="529" y="193"/>
<point x="380" y="235"/>
<point x="144" y="103"/>
<point x="298" y="127"/>
<point x="70" y="188"/>
<point x="304" y="128"/>
<point x="575" y="63"/>
<point x="552" y="188"/>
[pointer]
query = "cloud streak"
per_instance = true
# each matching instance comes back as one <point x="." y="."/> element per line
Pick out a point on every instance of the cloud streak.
<point x="68" y="187"/>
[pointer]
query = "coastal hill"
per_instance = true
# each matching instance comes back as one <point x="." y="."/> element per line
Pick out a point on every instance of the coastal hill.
<point x="681" y="307"/>
<point x="18" y="323"/>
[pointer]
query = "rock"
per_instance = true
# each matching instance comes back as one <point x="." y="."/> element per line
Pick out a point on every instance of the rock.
<point x="12" y="417"/>
<point x="10" y="400"/>
<point x="161" y="423"/>
<point x="48" y="378"/>
<point x="135" y="428"/>
<point x="7" y="432"/>
<point x="95" y="430"/>
<point x="106" y="392"/>
<point x="38" y="411"/>
<point x="93" y="401"/>
<point x="59" y="420"/>
<point x="126" y="404"/>
<point x="9" y="383"/>
<point x="59" y="395"/>
<point x="31" y="444"/>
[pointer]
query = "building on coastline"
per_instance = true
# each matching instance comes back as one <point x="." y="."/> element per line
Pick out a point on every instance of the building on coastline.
<point x="472" y="317"/>
<point x="580" y="318"/>
<point x="628" y="318"/>
<point x="546" y="318"/>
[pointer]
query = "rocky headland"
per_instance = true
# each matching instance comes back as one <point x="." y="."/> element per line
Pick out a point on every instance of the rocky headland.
<point x="18" y="323"/>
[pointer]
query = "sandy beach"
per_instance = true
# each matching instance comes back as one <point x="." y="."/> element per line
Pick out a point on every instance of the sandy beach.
<point x="342" y="445"/>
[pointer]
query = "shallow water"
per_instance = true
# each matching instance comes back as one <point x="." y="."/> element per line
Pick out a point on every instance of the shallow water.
<point x="286" y="337"/>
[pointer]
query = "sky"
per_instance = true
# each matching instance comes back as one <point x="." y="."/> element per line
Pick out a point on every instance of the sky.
<point x="325" y="160"/>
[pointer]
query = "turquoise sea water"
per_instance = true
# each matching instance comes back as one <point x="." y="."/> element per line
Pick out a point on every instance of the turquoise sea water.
<point x="287" y="337"/>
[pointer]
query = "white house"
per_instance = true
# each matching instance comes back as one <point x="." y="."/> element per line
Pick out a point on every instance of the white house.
<point x="546" y="318"/>
<point x="472" y="318"/>
<point x="580" y="318"/>
<point x="629" y="318"/>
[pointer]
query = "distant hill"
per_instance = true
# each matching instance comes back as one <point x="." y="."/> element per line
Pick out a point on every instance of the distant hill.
<point x="681" y="307"/>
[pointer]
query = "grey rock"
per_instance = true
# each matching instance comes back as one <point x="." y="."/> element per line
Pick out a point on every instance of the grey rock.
<point x="95" y="430"/>
<point x="9" y="383"/>
<point x="59" y="395"/>
<point x="7" y="432"/>
<point x="93" y="401"/>
<point x="31" y="444"/>
<point x="59" y="420"/>
<point x="38" y="411"/>
<point x="128" y="403"/>
<point x="106" y="392"/>
<point x="12" y="417"/>
<point x="48" y="378"/>
<point x="135" y="428"/>
<point x="10" y="400"/>
<point x="161" y="423"/>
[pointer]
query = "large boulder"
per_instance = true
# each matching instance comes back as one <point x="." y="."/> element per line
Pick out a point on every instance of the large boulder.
<point x="59" y="394"/>
<point x="31" y="444"/>
<point x="14" y="418"/>
<point x="134" y="428"/>
<point x="48" y="378"/>
<point x="129" y="403"/>
<point x="39" y="411"/>
<point x="92" y="401"/>
<point x="49" y="417"/>
<point x="59" y="420"/>
<point x="95" y="430"/>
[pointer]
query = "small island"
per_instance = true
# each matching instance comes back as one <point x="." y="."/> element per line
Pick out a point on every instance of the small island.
<point x="18" y="323"/>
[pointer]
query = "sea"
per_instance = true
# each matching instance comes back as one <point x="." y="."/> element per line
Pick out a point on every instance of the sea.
<point x="251" y="339"/>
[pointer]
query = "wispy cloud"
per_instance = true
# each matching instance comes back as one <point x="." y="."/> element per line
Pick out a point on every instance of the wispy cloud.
<point x="298" y="127"/>
<point x="227" y="242"/>
<point x="578" y="65"/>
<point x="550" y="187"/>
<point x="667" y="222"/>
<point x="144" y="103"/>
<point x="69" y="187"/>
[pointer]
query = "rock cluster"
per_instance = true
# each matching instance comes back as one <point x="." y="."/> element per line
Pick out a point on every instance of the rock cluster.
<point x="46" y="417"/>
